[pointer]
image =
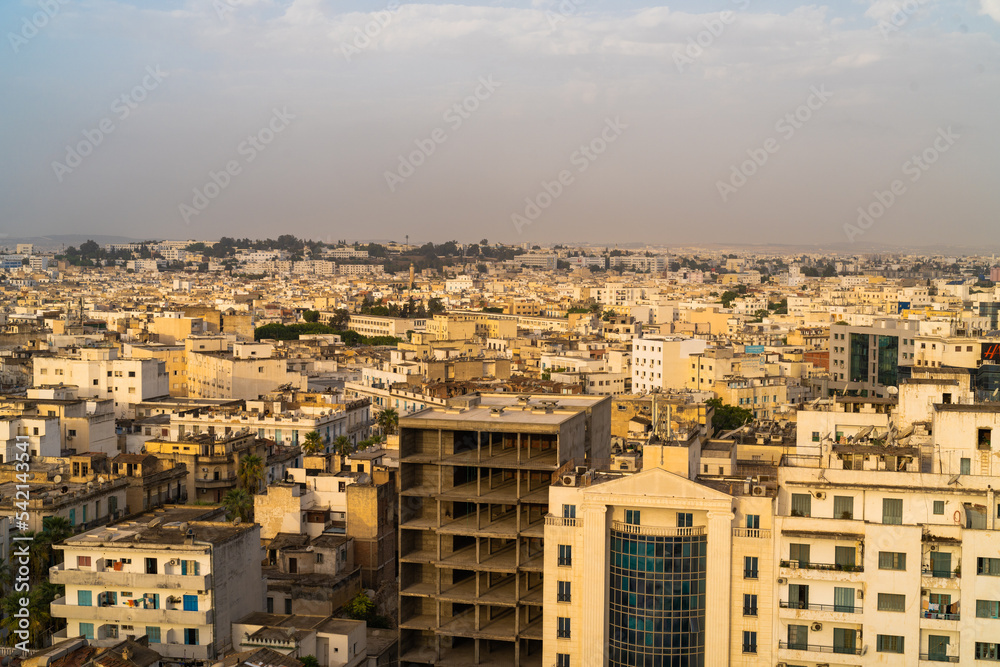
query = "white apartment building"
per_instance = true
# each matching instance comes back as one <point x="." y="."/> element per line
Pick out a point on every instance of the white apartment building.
<point x="100" y="373"/>
<point x="166" y="575"/>
<point x="660" y="363"/>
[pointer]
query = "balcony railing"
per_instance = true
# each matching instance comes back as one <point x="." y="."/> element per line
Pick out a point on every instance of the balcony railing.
<point x="938" y="657"/>
<point x="835" y="567"/>
<point x="657" y="531"/>
<point x="941" y="574"/>
<point x="940" y="616"/>
<point x="563" y="521"/>
<point x="812" y="606"/>
<point x="819" y="648"/>
<point x="761" y="533"/>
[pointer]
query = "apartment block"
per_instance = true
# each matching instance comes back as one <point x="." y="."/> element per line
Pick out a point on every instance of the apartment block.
<point x="166" y="575"/>
<point x="474" y="485"/>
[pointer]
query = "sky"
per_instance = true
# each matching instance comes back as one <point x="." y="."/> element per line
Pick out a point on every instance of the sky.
<point x="541" y="121"/>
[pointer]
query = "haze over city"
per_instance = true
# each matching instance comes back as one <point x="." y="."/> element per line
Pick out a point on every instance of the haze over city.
<point x="161" y="95"/>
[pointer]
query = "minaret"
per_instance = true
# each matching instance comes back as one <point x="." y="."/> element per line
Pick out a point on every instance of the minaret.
<point x="411" y="276"/>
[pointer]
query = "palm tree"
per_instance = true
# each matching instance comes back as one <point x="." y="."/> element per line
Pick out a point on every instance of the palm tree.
<point x="238" y="503"/>
<point x="251" y="472"/>
<point x="313" y="443"/>
<point x="342" y="445"/>
<point x="388" y="420"/>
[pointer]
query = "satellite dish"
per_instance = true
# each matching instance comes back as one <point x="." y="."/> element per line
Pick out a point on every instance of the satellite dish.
<point x="57" y="479"/>
<point x="892" y="391"/>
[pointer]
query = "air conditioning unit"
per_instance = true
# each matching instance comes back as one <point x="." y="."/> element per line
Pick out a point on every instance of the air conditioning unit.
<point x="934" y="547"/>
<point x="782" y="580"/>
<point x="860" y="594"/>
<point x="174" y="561"/>
<point x="821" y="495"/>
<point x="816" y="627"/>
<point x="924" y="592"/>
<point x="759" y="490"/>
<point x="568" y="480"/>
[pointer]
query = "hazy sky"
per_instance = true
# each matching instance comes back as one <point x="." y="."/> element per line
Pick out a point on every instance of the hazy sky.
<point x="684" y="122"/>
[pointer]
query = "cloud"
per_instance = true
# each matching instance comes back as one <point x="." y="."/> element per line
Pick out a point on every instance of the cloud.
<point x="990" y="8"/>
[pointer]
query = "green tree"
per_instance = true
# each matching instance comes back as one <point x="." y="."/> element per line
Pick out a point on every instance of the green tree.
<point x="251" y="472"/>
<point x="727" y="298"/>
<point x="313" y="443"/>
<point x="309" y="661"/>
<point x="342" y="445"/>
<point x="310" y="316"/>
<point x="728" y="417"/>
<point x="388" y="421"/>
<point x="238" y="503"/>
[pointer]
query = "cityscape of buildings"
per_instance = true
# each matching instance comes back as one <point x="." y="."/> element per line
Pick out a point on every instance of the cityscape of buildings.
<point x="304" y="454"/>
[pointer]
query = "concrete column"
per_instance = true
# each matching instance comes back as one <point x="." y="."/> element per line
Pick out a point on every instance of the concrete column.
<point x="592" y="560"/>
<point x="719" y="581"/>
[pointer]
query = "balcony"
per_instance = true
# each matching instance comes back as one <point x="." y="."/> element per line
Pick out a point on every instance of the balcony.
<point x="657" y="531"/>
<point x="755" y="533"/>
<point x="566" y="522"/>
<point x="825" y="567"/>
<point x="112" y="579"/>
<point x="941" y="574"/>
<point x="784" y="604"/>
<point x="819" y="648"/>
<point x="184" y="652"/>
<point x="131" y="615"/>
<point x="938" y="657"/>
<point x="209" y="483"/>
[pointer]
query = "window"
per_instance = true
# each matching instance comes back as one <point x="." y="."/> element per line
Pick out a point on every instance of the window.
<point x="190" y="603"/>
<point x="891" y="602"/>
<point x="569" y="511"/>
<point x="150" y="566"/>
<point x="191" y="636"/>
<point x="815" y="436"/>
<point x="632" y="517"/>
<point x="984" y="651"/>
<point x="749" y="641"/>
<point x="750" y="567"/>
<point x="270" y="605"/>
<point x="753" y="521"/>
<point x="288" y="605"/>
<point x="939" y="507"/>
<point x="987" y="608"/>
<point x="799" y="553"/>
<point x="889" y="643"/>
<point x="87" y="630"/>
<point x="844" y="557"/>
<point x="563" y="594"/>
<point x="965" y="467"/>
<point x="319" y="558"/>
<point x="843" y="507"/>
<point x="845" y="640"/>
<point x="562" y="660"/>
<point x="798" y="637"/>
<point x="984" y="439"/>
<point x="843" y="599"/>
<point x="684" y="520"/>
<point x="892" y="511"/>
<point x="801" y="504"/>
<point x="84" y="598"/>
<point x="153" y="634"/>
<point x="83" y="561"/>
<point x="891" y="560"/>
<point x="988" y="566"/>
<point x="749" y="604"/>
<point x="562" y="627"/>
<point x="565" y="554"/>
